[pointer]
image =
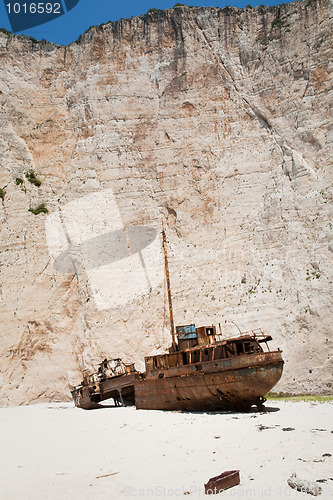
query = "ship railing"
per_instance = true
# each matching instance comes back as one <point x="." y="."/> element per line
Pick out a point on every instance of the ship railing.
<point x="257" y="333"/>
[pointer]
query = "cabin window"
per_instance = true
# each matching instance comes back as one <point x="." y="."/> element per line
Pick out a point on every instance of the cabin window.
<point x="210" y="331"/>
<point x="219" y="352"/>
<point x="155" y="363"/>
<point x="186" y="358"/>
<point x="230" y="350"/>
<point x="248" y="347"/>
<point x="239" y="347"/>
<point x="172" y="359"/>
<point x="162" y="362"/>
<point x="207" y="354"/>
<point x="195" y="356"/>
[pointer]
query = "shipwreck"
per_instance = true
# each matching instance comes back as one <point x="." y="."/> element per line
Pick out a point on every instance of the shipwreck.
<point x="201" y="371"/>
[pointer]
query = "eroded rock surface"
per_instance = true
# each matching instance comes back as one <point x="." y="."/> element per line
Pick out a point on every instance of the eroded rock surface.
<point x="217" y="121"/>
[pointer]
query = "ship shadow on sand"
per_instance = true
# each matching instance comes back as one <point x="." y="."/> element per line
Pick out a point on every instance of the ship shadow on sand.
<point x="253" y="410"/>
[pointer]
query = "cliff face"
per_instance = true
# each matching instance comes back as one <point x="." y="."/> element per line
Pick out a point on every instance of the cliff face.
<point x="217" y="121"/>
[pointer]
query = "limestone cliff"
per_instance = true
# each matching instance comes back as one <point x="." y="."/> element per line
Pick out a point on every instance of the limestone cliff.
<point x="218" y="121"/>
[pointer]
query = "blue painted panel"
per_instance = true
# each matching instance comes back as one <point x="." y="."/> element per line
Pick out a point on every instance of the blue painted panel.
<point x="186" y="329"/>
<point x="186" y="332"/>
<point x="186" y="336"/>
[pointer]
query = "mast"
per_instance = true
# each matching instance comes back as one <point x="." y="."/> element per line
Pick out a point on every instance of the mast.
<point x="168" y="286"/>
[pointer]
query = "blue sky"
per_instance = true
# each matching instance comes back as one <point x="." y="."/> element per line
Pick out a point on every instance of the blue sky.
<point x="70" y="26"/>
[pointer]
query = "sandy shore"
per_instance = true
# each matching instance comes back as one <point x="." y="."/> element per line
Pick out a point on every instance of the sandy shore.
<point x="56" y="451"/>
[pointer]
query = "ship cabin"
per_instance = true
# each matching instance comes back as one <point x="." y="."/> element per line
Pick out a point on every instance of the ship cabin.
<point x="203" y="344"/>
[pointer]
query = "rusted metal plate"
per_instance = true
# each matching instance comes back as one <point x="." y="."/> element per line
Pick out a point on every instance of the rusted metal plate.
<point x="118" y="383"/>
<point x="224" y="481"/>
<point x="235" y="383"/>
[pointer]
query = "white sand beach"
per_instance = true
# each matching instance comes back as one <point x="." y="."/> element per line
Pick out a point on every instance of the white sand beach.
<point x="56" y="451"/>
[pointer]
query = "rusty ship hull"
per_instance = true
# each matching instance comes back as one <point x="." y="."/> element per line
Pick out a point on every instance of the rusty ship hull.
<point x="228" y="384"/>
